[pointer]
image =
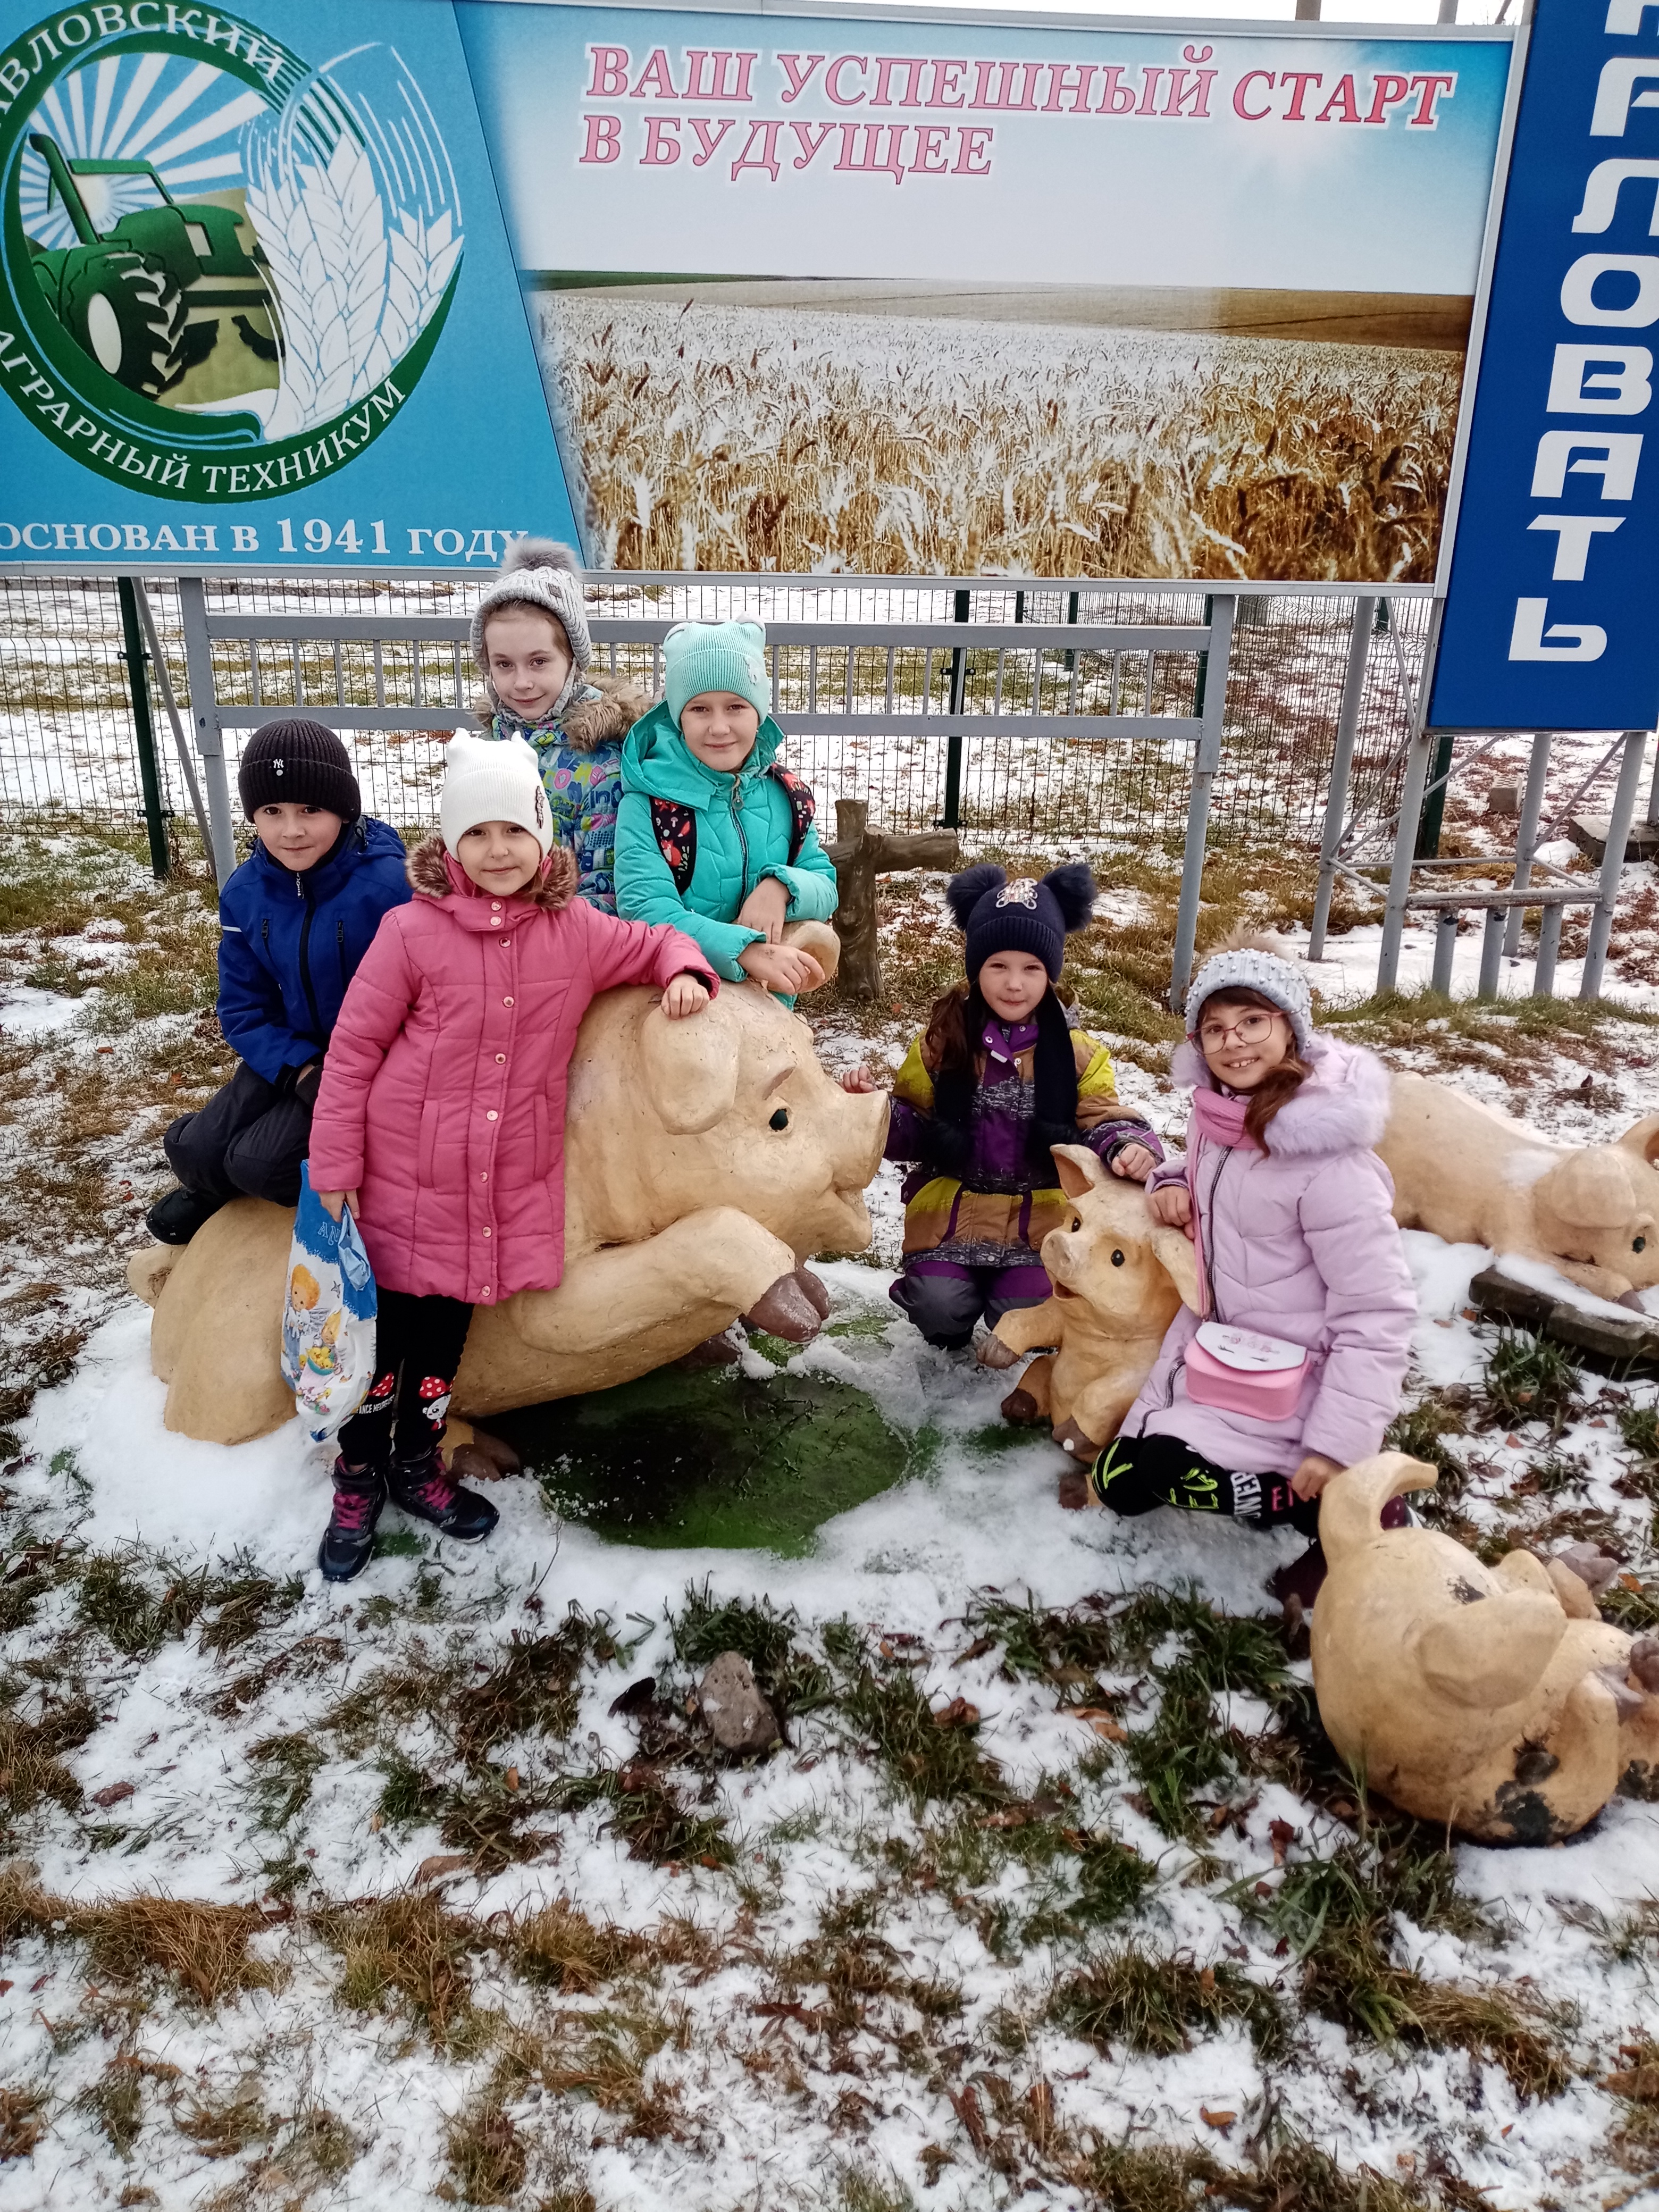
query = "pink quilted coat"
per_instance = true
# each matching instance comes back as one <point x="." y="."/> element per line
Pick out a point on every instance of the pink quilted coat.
<point x="442" y="1097"/>
<point x="1300" y="1242"/>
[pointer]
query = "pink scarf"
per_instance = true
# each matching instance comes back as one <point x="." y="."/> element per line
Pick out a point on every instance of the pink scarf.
<point x="1218" y="1116"/>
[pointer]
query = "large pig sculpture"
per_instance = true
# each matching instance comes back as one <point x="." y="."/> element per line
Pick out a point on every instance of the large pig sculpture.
<point x="705" y="1160"/>
<point x="1469" y="1174"/>
<point x="1495" y="1700"/>
<point x="1118" y="1279"/>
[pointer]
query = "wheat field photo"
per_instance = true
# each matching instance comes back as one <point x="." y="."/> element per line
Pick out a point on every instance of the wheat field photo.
<point x="704" y="436"/>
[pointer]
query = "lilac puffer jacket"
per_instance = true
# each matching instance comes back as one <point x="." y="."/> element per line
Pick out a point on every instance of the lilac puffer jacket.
<point x="1300" y="1242"/>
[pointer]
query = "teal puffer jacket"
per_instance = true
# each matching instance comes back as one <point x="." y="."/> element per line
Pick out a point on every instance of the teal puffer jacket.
<point x="744" y="825"/>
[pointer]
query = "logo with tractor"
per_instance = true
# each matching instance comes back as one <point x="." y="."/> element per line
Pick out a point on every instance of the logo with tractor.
<point x="223" y="269"/>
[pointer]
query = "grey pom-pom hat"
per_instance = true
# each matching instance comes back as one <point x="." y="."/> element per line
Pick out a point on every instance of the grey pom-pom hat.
<point x="1278" y="980"/>
<point x="539" y="574"/>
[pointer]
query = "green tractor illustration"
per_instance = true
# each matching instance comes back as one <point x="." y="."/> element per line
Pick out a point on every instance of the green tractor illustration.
<point x="145" y="297"/>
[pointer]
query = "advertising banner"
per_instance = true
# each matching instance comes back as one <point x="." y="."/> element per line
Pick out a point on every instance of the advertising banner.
<point x="256" y="306"/>
<point x="824" y="293"/>
<point x="1549" y="620"/>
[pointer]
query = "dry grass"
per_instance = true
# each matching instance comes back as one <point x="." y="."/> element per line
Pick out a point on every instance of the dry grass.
<point x="722" y="438"/>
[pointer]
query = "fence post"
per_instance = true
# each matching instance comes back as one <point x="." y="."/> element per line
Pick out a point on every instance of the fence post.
<point x="210" y="739"/>
<point x="1613" y="861"/>
<point x="161" y="860"/>
<point x="1405" y="851"/>
<point x="951" y="817"/>
<point x="1206" y="759"/>
<point x="1336" y="802"/>
<point x="1526" y="835"/>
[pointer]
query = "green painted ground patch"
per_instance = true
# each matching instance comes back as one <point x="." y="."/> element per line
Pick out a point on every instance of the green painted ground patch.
<point x="710" y="1458"/>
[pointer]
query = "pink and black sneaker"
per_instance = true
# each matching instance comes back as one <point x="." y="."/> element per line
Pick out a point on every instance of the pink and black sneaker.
<point x="349" y="1540"/>
<point x="421" y="1488"/>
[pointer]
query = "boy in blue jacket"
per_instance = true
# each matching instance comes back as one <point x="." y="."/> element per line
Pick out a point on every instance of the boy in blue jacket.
<point x="297" y="917"/>
<point x="712" y="835"/>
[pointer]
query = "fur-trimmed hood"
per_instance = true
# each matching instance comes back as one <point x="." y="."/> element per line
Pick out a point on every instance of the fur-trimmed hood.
<point x="602" y="713"/>
<point x="434" y="875"/>
<point x="1342" y="1104"/>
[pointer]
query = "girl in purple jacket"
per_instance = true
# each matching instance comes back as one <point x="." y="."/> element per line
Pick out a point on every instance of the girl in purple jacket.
<point x="1289" y="1207"/>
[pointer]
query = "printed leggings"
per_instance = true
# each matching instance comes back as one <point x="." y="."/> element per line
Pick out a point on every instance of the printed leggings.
<point x="1134" y="1474"/>
<point x="418" y="1347"/>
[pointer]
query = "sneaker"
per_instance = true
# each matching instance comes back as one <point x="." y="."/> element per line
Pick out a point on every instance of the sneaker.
<point x="359" y="1495"/>
<point x="175" y="1218"/>
<point x="421" y="1488"/>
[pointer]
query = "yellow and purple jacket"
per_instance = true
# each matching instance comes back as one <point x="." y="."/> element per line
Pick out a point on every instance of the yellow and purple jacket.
<point x="997" y="1212"/>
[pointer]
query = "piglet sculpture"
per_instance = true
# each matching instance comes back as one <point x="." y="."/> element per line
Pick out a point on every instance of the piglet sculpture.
<point x="1473" y="1696"/>
<point x="704" y="1161"/>
<point x="1118" y="1277"/>
<point x="1473" y="1176"/>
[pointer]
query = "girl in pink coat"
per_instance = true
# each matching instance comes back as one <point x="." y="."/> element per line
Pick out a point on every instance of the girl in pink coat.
<point x="1289" y="1207"/>
<point x="439" y="1120"/>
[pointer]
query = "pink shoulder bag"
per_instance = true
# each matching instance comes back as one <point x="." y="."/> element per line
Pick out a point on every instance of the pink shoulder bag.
<point x="1236" y="1369"/>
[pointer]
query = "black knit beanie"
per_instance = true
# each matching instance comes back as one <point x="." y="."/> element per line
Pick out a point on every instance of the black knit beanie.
<point x="998" y="916"/>
<point x="298" y="763"/>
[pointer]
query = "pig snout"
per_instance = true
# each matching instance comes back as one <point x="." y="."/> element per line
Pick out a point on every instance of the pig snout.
<point x="856" y="1134"/>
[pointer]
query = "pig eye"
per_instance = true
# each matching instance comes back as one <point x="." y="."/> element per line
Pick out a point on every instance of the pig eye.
<point x="780" y="1119"/>
<point x="1640" y="1245"/>
<point x="1117" y="1259"/>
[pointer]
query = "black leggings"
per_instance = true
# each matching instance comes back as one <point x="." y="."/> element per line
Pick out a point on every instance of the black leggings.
<point x="418" y="1347"/>
<point x="1134" y="1474"/>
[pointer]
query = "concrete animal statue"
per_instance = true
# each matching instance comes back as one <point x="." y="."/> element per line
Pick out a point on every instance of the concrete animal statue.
<point x="1475" y="1176"/>
<point x="1495" y="1699"/>
<point x="1118" y="1277"/>
<point x="705" y="1160"/>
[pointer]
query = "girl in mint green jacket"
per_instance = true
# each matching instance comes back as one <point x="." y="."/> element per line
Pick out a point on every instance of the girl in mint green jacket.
<point x="713" y="836"/>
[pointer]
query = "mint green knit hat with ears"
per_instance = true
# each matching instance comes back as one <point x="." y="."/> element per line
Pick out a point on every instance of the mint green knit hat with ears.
<point x="729" y="656"/>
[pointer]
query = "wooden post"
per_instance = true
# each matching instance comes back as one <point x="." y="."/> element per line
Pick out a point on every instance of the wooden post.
<point x="859" y="855"/>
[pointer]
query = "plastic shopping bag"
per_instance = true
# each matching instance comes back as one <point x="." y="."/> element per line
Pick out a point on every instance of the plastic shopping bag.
<point x="328" y="1316"/>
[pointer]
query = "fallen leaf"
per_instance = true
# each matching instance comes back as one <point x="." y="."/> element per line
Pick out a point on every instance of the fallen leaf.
<point x="1630" y="1583"/>
<point x="1512" y="1442"/>
<point x="1471" y="1313"/>
<point x="1639" y="2083"/>
<point x="35" y="1988"/>
<point x="114" y="1794"/>
<point x="957" y="1714"/>
<point x="1206" y="1980"/>
<point x="442" y="1863"/>
<point x="511" y="1778"/>
<point x="965" y="2102"/>
<point x="1283" y="1835"/>
<point x="1102" y="1723"/>
<point x="376" y="1822"/>
<point x="976" y="1650"/>
<point x="1216" y="2120"/>
<point x="1442" y="1324"/>
<point x="4" y="1986"/>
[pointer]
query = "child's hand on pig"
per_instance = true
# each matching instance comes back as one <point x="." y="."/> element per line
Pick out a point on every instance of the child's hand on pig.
<point x="1171" y="1203"/>
<point x="1134" y="1161"/>
<point x="857" y="1079"/>
<point x="684" y="995"/>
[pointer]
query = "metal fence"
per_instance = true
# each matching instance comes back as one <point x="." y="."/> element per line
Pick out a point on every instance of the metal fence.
<point x="1046" y="716"/>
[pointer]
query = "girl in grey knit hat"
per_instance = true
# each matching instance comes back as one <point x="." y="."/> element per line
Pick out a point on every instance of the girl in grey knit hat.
<point x="532" y="646"/>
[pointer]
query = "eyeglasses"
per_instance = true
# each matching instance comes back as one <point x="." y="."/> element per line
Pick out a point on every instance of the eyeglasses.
<point x="1250" y="1029"/>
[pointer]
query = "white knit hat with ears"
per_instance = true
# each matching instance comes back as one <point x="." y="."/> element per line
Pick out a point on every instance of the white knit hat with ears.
<point x="492" y="780"/>
<point x="1277" y="979"/>
<point x="537" y="573"/>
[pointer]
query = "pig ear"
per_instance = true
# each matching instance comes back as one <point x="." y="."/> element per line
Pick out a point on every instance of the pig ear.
<point x="1643" y="1139"/>
<point x="1080" y="1170"/>
<point x="1174" y="1250"/>
<point x="690" y="1071"/>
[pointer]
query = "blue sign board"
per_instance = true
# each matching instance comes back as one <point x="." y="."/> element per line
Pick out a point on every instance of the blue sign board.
<point x="1550" y="618"/>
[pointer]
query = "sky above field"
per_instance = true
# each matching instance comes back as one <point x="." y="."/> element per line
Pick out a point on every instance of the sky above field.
<point x="1087" y="199"/>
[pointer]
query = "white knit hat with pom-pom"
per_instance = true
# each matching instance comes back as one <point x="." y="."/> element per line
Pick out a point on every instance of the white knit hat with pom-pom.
<point x="1285" y="986"/>
<point x="492" y="780"/>
<point x="538" y="574"/>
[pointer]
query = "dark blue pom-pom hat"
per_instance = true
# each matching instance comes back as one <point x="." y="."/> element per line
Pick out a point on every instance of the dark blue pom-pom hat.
<point x="1023" y="916"/>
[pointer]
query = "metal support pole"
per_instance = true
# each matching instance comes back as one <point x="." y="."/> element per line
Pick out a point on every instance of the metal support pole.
<point x="1445" y="945"/>
<point x="950" y="820"/>
<point x="1448" y="12"/>
<point x="161" y="860"/>
<point x="1613" y="861"/>
<point x="1492" y="953"/>
<point x="210" y="739"/>
<point x="1405" y="846"/>
<point x="1526" y="835"/>
<point x="1549" y="947"/>
<point x="1434" y="811"/>
<point x="186" y="765"/>
<point x="1206" y="759"/>
<point x="1336" y="800"/>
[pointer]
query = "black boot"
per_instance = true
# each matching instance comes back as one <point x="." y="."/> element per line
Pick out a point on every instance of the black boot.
<point x="421" y="1488"/>
<point x="349" y="1540"/>
<point x="175" y="1218"/>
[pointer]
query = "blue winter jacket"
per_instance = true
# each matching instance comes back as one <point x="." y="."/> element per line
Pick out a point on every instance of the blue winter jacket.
<point x="743" y="828"/>
<point x="291" y="944"/>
